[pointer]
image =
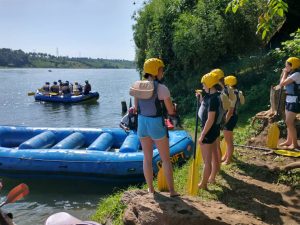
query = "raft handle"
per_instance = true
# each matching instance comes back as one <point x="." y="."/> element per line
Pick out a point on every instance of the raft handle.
<point x="64" y="167"/>
<point x="131" y="170"/>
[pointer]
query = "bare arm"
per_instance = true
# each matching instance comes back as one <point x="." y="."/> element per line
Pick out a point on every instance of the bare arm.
<point x="229" y="114"/>
<point x="170" y="107"/>
<point x="208" y="125"/>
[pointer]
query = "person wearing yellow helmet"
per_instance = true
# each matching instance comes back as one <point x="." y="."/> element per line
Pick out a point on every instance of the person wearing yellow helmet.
<point x="290" y="79"/>
<point x="220" y="74"/>
<point x="231" y="117"/>
<point x="151" y="127"/>
<point x="209" y="113"/>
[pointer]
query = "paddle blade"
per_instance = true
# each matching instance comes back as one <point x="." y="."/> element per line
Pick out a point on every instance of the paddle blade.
<point x="223" y="146"/>
<point x="194" y="176"/>
<point x="273" y="136"/>
<point x="16" y="194"/>
<point x="287" y="153"/>
<point x="161" y="180"/>
<point x="31" y="93"/>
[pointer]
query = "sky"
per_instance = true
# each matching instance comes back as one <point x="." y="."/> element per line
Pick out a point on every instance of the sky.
<point x="74" y="28"/>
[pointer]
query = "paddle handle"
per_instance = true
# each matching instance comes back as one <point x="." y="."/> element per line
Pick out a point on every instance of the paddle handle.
<point x="196" y="126"/>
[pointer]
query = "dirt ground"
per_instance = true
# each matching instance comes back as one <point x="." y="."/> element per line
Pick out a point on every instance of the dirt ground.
<point x="253" y="187"/>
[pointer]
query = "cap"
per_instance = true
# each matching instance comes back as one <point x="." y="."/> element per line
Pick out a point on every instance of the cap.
<point x="63" y="218"/>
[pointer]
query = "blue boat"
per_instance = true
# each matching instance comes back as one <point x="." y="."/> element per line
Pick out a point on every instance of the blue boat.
<point x="92" y="96"/>
<point x="106" y="155"/>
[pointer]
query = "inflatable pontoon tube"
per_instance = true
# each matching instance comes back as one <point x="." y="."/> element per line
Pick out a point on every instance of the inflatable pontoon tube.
<point x="73" y="141"/>
<point x="103" y="143"/>
<point x="42" y="140"/>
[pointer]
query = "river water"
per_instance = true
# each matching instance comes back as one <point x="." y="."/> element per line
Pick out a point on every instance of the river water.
<point x="17" y="108"/>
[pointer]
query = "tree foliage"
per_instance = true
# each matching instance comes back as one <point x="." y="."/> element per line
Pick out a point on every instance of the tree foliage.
<point x="193" y="37"/>
<point x="18" y="58"/>
<point x="272" y="15"/>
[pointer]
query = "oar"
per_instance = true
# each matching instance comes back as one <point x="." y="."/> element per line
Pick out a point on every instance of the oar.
<point x="30" y="93"/>
<point x="162" y="184"/>
<point x="193" y="178"/>
<point x="16" y="194"/>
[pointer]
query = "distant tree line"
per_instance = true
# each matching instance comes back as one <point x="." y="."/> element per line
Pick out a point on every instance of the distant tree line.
<point x="18" y="58"/>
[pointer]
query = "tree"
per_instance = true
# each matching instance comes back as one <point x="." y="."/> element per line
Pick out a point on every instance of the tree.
<point x="273" y="15"/>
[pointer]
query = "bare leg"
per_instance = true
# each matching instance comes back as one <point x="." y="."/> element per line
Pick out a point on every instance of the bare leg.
<point x="228" y="135"/>
<point x="147" y="146"/>
<point x="292" y="132"/>
<point x="215" y="162"/>
<point x="206" y="150"/>
<point x="164" y="152"/>
<point x="289" y="122"/>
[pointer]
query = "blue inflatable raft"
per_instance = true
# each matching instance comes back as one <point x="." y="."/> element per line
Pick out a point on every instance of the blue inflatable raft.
<point x="108" y="155"/>
<point x="92" y="96"/>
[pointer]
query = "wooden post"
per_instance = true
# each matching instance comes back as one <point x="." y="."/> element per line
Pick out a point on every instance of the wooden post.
<point x="124" y="107"/>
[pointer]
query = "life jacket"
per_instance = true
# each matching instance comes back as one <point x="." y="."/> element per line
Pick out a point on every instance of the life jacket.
<point x="54" y="88"/>
<point x="293" y="89"/>
<point x="46" y="88"/>
<point x="151" y="107"/>
<point x="203" y="110"/>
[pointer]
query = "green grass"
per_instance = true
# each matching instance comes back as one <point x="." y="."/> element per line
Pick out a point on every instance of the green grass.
<point x="111" y="209"/>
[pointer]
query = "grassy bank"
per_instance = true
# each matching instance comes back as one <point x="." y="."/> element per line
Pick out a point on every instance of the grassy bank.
<point x="110" y="208"/>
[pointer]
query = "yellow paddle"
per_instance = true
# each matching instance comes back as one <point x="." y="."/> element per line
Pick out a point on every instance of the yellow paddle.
<point x="223" y="147"/>
<point x="287" y="153"/>
<point x="162" y="184"/>
<point x="273" y="136"/>
<point x="193" y="176"/>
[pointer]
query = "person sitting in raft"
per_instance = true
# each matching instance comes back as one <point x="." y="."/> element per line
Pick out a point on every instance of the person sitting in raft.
<point x="60" y="84"/>
<point x="129" y="121"/>
<point x="66" y="92"/>
<point x="77" y="89"/>
<point x="290" y="79"/>
<point x="87" y="88"/>
<point x="54" y="88"/>
<point x="151" y="127"/>
<point x="46" y="88"/>
<point x="209" y="113"/>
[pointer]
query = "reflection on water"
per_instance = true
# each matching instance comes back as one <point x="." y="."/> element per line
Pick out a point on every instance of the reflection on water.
<point x="16" y="108"/>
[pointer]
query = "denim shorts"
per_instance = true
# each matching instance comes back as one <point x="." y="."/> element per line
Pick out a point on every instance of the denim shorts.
<point x="152" y="127"/>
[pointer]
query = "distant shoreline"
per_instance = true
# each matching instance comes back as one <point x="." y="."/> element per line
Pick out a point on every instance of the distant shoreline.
<point x="18" y="59"/>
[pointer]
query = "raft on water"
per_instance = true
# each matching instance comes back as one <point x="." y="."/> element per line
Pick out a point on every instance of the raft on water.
<point x="92" y="96"/>
<point x="108" y="154"/>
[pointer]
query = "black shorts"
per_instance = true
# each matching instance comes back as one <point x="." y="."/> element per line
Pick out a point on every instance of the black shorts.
<point x="212" y="135"/>
<point x="230" y="125"/>
<point x="292" y="107"/>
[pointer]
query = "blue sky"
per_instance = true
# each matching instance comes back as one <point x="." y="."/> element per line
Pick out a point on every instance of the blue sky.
<point x="86" y="28"/>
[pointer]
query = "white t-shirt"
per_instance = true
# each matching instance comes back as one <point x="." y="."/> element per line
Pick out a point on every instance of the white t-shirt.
<point x="295" y="77"/>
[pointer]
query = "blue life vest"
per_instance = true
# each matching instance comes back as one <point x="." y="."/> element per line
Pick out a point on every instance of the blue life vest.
<point x="151" y="107"/>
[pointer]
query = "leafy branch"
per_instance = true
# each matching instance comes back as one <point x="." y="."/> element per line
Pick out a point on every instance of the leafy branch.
<point x="273" y="10"/>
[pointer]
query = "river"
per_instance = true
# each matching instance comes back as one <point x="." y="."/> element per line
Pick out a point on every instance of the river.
<point x="17" y="108"/>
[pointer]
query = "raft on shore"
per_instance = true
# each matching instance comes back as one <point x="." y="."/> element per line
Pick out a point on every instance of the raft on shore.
<point x="92" y="96"/>
<point x="108" y="154"/>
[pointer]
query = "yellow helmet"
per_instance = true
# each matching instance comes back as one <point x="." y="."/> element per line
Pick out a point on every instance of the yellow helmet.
<point x="230" y="80"/>
<point x="219" y="73"/>
<point x="152" y="65"/>
<point x="210" y="79"/>
<point x="294" y="61"/>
